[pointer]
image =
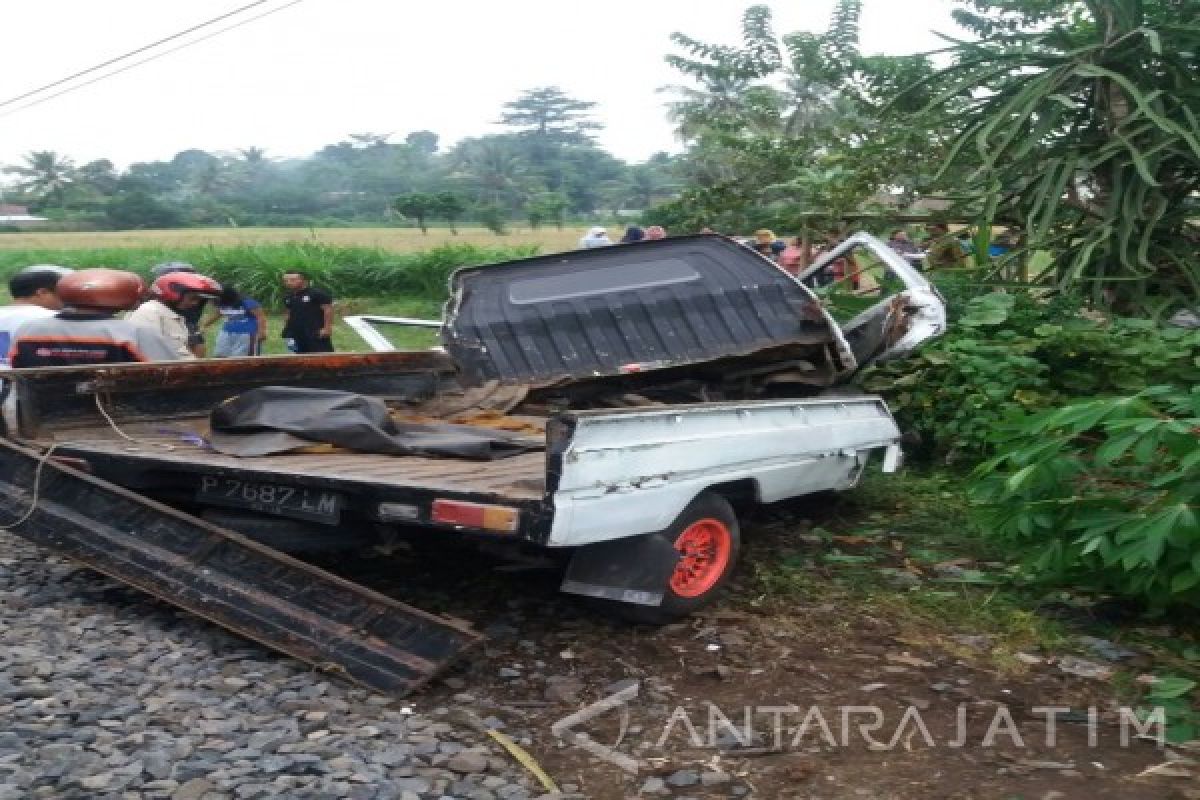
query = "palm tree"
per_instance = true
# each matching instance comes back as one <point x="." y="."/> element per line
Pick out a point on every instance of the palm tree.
<point x="45" y="174"/>
<point x="99" y="176"/>
<point x="814" y="105"/>
<point x="210" y="178"/>
<point x="820" y="73"/>
<point x="642" y="186"/>
<point x="497" y="168"/>
<point x="253" y="155"/>
<point x="722" y="97"/>
<point x="732" y="94"/>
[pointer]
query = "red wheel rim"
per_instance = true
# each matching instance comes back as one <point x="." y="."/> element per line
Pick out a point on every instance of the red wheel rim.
<point x="704" y="551"/>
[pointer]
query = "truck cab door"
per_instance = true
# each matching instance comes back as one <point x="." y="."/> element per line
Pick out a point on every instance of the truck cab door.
<point x="893" y="309"/>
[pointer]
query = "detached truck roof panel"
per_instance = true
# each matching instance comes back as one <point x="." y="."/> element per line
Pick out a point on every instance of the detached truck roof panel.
<point x="630" y="308"/>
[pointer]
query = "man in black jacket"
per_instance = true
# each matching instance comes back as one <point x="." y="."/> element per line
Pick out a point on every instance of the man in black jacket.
<point x="309" y="321"/>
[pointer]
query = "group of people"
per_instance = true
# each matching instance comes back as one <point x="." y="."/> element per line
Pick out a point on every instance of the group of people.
<point x="945" y="250"/>
<point x="598" y="236"/>
<point x="794" y="255"/>
<point x="942" y="249"/>
<point x="59" y="317"/>
<point x="790" y="256"/>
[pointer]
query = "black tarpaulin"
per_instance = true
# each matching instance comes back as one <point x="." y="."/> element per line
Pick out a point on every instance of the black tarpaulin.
<point x="276" y="419"/>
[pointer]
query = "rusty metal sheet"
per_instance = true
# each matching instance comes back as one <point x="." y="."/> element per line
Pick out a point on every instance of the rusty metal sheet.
<point x="239" y="584"/>
<point x="50" y="397"/>
<point x="166" y="374"/>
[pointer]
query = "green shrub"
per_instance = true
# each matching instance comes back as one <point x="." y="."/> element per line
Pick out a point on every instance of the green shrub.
<point x="1102" y="495"/>
<point x="1170" y="693"/>
<point x="1008" y="354"/>
<point x="494" y="218"/>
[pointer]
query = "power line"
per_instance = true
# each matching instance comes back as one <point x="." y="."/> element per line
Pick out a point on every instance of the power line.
<point x="147" y="60"/>
<point x="131" y="53"/>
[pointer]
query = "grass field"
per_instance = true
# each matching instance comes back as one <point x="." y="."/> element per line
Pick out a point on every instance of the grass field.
<point x="402" y="240"/>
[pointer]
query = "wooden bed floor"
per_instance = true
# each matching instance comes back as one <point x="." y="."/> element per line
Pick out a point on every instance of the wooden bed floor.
<point x="163" y="442"/>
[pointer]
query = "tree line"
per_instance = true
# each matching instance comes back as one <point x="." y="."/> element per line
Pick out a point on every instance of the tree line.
<point x="544" y="168"/>
<point x="1075" y="124"/>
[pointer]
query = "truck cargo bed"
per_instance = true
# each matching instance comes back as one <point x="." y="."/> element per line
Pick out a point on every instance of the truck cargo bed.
<point x="519" y="477"/>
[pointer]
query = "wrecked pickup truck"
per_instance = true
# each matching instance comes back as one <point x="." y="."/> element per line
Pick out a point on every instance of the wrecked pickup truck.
<point x="649" y="392"/>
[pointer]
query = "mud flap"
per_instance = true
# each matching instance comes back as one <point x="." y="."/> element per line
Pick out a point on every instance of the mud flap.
<point x="217" y="574"/>
<point x="630" y="570"/>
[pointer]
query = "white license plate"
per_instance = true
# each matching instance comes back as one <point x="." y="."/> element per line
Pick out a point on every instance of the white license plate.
<point x="271" y="498"/>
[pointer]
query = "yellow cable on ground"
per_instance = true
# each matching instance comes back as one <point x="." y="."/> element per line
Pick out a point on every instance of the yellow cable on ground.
<point x="521" y="755"/>
<point x="515" y="750"/>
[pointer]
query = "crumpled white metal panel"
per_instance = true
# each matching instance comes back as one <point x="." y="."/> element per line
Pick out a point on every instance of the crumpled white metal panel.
<point x="632" y="471"/>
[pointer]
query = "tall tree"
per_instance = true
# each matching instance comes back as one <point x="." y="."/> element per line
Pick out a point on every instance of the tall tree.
<point x="646" y="185"/>
<point x="1079" y="121"/>
<point x="546" y="206"/>
<point x="729" y="94"/>
<point x="450" y="207"/>
<point x="136" y="208"/>
<point x="253" y="155"/>
<point x="425" y="142"/>
<point x="495" y="166"/>
<point x="417" y="206"/>
<point x="100" y="176"/>
<point x="777" y="134"/>
<point x="549" y="115"/>
<point x="46" y="175"/>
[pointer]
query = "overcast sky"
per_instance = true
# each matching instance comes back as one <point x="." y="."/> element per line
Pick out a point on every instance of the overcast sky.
<point x="314" y="72"/>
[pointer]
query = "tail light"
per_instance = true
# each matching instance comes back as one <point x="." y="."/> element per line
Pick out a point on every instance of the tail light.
<point x="475" y="515"/>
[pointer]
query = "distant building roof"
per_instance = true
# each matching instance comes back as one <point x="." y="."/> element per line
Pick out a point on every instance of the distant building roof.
<point x="10" y="209"/>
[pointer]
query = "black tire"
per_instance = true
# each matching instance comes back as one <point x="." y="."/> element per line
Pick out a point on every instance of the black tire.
<point x="707" y="506"/>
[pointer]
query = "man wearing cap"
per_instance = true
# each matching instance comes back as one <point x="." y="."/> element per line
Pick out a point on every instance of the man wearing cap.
<point x="763" y="241"/>
<point x="33" y="297"/>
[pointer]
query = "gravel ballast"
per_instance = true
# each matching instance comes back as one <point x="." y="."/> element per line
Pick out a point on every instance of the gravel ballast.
<point x="108" y="693"/>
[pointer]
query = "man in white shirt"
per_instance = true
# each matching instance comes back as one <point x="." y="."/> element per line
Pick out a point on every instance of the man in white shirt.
<point x="33" y="296"/>
<point x="170" y="295"/>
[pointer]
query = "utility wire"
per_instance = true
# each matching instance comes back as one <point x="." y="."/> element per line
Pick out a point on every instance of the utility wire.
<point x="130" y="54"/>
<point x="147" y="60"/>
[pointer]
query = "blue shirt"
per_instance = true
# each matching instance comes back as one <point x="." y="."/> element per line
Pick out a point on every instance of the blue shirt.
<point x="239" y="319"/>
